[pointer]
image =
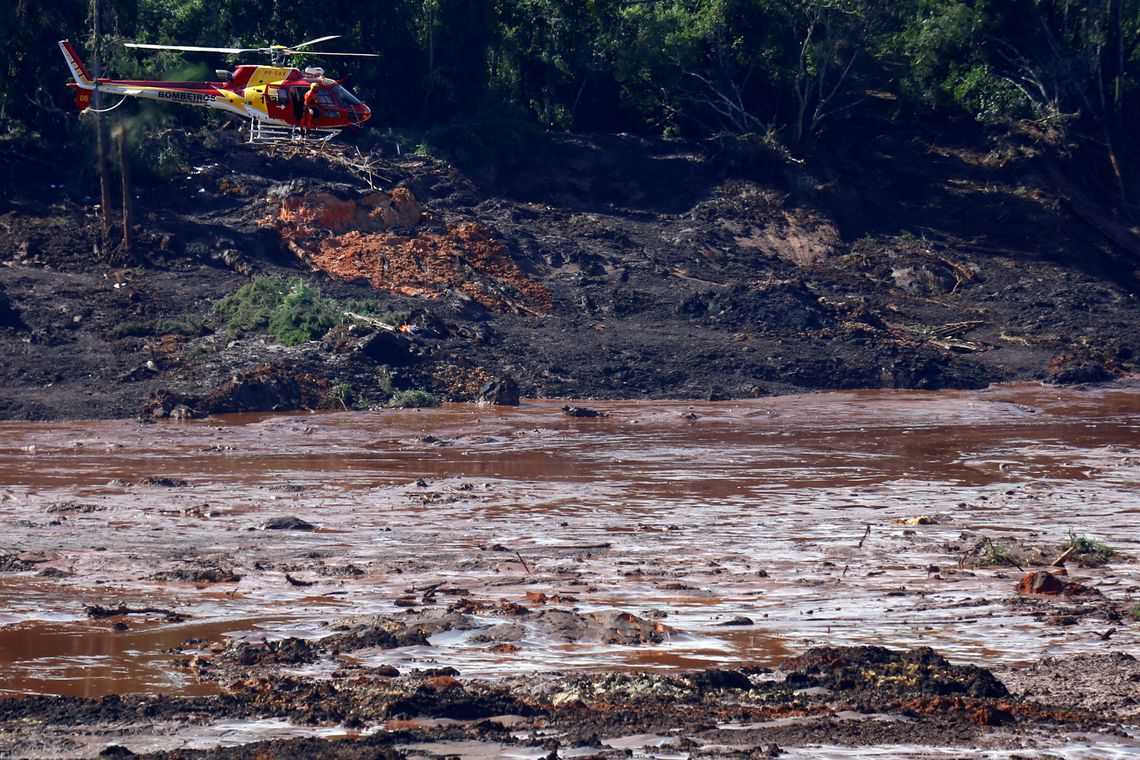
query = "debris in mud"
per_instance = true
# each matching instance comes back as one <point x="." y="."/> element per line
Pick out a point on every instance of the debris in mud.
<point x="1106" y="684"/>
<point x="98" y="611"/>
<point x="289" y="651"/>
<point x="1045" y="583"/>
<point x="267" y="388"/>
<point x="163" y="482"/>
<point x="298" y="582"/>
<point x="355" y="240"/>
<point x="199" y="574"/>
<point x="1082" y="364"/>
<point x="878" y="674"/>
<point x="21" y="561"/>
<point x="1020" y="553"/>
<point x="609" y="627"/>
<point x="581" y="411"/>
<point x="73" y="507"/>
<point x="287" y="523"/>
<point x="367" y="631"/>
<point x="917" y="520"/>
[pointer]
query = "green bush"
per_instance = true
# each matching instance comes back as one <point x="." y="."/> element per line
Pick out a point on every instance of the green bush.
<point x="289" y="310"/>
<point x="302" y="316"/>
<point x="1089" y="551"/>
<point x="250" y="307"/>
<point x="413" y="398"/>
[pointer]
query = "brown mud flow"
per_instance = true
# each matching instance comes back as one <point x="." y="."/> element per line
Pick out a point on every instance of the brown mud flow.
<point x="659" y="537"/>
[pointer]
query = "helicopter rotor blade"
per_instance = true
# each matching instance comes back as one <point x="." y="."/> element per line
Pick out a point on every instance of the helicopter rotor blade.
<point x="314" y="42"/>
<point x="190" y="48"/>
<point x="322" y="54"/>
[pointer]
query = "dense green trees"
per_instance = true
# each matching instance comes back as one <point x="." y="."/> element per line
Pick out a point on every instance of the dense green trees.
<point x="1066" y="69"/>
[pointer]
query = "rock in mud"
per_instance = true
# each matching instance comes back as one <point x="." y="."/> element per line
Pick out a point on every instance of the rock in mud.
<point x="366" y="631"/>
<point x="1045" y="583"/>
<point x="609" y="626"/>
<point x="198" y="574"/>
<point x="500" y="391"/>
<point x="9" y="316"/>
<point x="290" y="651"/>
<point x="268" y="388"/>
<point x="1081" y="365"/>
<point x="877" y="673"/>
<point x="716" y="679"/>
<point x="287" y="523"/>
<point x="580" y="411"/>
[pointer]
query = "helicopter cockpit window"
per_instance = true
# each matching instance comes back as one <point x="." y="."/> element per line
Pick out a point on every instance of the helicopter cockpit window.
<point x="346" y="98"/>
<point x="325" y="98"/>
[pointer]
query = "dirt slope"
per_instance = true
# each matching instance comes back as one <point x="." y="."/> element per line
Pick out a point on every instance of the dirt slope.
<point x="593" y="266"/>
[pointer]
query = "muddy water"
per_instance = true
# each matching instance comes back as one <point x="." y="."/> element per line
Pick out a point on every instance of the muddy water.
<point x="780" y="511"/>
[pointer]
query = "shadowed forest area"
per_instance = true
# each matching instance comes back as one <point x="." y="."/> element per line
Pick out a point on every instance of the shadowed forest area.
<point x="474" y="75"/>
<point x="614" y="198"/>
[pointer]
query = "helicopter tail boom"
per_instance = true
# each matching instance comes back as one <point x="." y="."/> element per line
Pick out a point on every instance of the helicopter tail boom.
<point x="79" y="72"/>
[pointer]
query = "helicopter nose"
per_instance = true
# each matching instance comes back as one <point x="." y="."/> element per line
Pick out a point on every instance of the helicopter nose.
<point x="363" y="112"/>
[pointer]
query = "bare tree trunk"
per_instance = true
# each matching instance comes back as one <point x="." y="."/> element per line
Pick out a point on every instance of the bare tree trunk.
<point x="126" y="253"/>
<point x="101" y="134"/>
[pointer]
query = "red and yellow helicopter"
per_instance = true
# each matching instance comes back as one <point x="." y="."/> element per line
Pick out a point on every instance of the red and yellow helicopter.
<point x="271" y="97"/>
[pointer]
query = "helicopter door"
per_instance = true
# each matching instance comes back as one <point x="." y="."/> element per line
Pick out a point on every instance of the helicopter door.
<point x="277" y="103"/>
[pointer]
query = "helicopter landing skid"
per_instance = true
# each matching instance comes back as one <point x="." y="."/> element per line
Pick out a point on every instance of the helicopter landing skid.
<point x="264" y="134"/>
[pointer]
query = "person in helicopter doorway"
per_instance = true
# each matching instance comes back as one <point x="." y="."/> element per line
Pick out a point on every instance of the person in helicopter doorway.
<point x="312" y="113"/>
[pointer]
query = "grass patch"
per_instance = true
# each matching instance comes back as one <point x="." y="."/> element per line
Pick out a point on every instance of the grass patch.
<point x="1133" y="612"/>
<point x="987" y="553"/>
<point x="413" y="398"/>
<point x="191" y="328"/>
<point x="1089" y="551"/>
<point x="997" y="554"/>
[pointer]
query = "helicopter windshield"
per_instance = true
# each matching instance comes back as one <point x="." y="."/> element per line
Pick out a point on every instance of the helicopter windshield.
<point x="345" y="97"/>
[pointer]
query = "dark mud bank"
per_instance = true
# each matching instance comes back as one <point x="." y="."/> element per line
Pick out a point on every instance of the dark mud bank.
<point x="594" y="267"/>
<point x="830" y="695"/>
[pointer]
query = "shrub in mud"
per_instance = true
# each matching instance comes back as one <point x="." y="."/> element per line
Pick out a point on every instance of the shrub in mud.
<point x="413" y="398"/>
<point x="302" y="315"/>
<point x="289" y="310"/>
<point x="1089" y="552"/>
<point x="292" y="311"/>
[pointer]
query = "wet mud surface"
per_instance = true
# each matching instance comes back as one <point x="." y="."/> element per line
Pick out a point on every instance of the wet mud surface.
<point x="852" y="575"/>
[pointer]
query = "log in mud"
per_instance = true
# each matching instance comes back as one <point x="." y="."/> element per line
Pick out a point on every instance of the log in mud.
<point x="842" y="575"/>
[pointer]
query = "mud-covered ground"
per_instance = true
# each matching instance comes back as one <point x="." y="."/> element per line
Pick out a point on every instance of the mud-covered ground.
<point x="589" y="267"/>
<point x="874" y="574"/>
<point x="605" y="267"/>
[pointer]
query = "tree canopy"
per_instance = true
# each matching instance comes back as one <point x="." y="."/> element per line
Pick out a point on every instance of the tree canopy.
<point x="789" y="69"/>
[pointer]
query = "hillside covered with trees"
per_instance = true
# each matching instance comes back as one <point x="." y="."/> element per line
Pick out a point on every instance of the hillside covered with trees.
<point x="789" y="71"/>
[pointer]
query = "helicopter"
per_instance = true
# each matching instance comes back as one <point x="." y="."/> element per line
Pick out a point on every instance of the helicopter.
<point x="271" y="97"/>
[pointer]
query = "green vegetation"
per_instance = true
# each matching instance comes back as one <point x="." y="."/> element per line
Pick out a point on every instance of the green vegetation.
<point x="413" y="398"/>
<point x="341" y="395"/>
<point x="291" y="311"/>
<point x="997" y="554"/>
<point x="1133" y="612"/>
<point x="1089" y="551"/>
<point x="302" y="315"/>
<point x="191" y="327"/>
<point x="475" y="79"/>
